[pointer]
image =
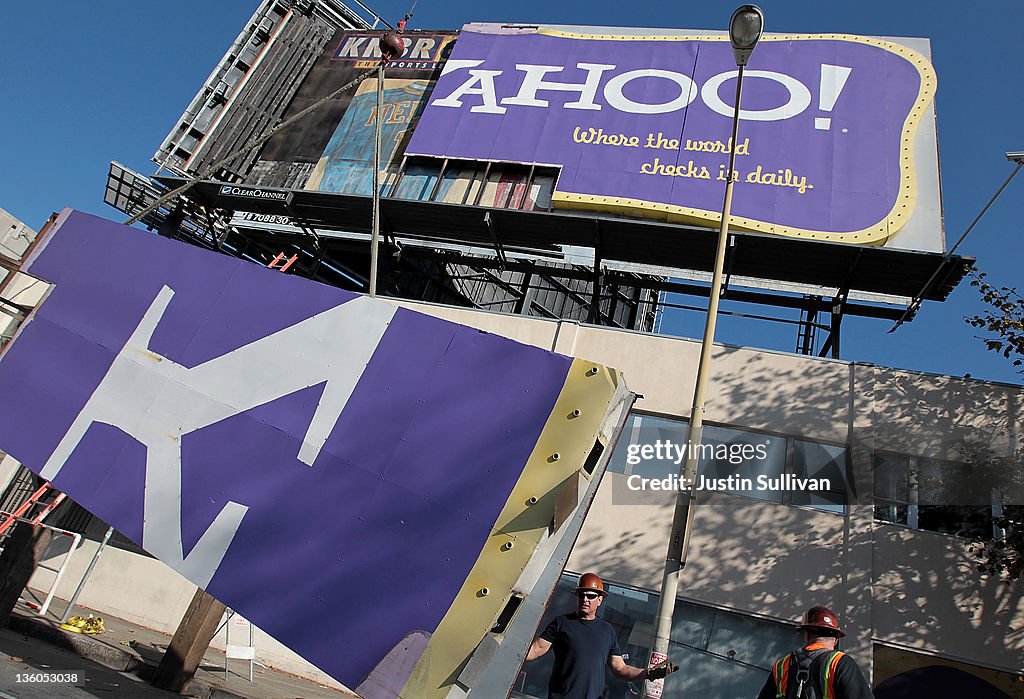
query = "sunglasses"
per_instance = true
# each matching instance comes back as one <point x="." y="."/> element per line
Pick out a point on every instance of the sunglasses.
<point x="587" y="595"/>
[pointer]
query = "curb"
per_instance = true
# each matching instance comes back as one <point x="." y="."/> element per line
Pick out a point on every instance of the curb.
<point x="85" y="646"/>
<point x="108" y="656"/>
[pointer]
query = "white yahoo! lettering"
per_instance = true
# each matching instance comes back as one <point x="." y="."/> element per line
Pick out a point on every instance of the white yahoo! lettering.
<point x="534" y="83"/>
<point x="157" y="402"/>
<point x="613" y="92"/>
<point x="481" y="82"/>
<point x="799" y="96"/>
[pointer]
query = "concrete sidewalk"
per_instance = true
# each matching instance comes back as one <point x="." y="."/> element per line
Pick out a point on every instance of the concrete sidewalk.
<point x="127" y="647"/>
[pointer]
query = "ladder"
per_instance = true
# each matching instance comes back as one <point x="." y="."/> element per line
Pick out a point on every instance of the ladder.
<point x="46" y="498"/>
<point x="282" y="261"/>
<point x="806" y="329"/>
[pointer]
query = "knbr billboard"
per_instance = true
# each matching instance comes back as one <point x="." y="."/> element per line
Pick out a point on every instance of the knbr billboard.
<point x="836" y="135"/>
<point x="332" y="151"/>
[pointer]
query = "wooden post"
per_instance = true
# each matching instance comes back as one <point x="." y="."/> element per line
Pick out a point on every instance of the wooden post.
<point x="22" y="553"/>
<point x="183" y="656"/>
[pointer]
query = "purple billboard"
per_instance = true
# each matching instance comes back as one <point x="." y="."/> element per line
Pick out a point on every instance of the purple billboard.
<point x="642" y="124"/>
<point x="334" y="467"/>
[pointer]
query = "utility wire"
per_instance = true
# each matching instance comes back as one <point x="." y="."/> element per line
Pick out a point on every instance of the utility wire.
<point x="915" y="305"/>
<point x="170" y="196"/>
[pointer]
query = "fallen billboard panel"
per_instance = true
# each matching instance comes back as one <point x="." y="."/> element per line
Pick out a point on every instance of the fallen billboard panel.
<point x="365" y="483"/>
<point x="836" y="137"/>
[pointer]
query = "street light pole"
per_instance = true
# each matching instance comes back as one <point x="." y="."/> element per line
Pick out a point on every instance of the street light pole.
<point x="745" y="28"/>
<point x="375" y="225"/>
<point x="391" y="47"/>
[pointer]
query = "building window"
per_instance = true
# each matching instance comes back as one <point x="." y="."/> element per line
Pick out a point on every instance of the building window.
<point x="898" y="671"/>
<point x="823" y="463"/>
<point x="721" y="654"/>
<point x="418" y="182"/>
<point x="779" y="469"/>
<point x="945" y="497"/>
<point x="497" y="185"/>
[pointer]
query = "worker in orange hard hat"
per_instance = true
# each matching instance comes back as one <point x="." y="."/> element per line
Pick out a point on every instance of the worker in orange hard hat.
<point x="817" y="670"/>
<point x="584" y="645"/>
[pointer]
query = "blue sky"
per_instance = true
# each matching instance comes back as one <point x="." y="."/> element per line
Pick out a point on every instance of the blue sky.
<point x="86" y="83"/>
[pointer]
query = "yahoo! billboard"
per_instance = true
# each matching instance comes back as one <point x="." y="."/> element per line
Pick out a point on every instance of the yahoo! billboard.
<point x="642" y="124"/>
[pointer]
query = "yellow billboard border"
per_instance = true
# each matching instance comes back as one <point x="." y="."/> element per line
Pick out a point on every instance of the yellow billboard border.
<point x="876" y="234"/>
<point x="561" y="450"/>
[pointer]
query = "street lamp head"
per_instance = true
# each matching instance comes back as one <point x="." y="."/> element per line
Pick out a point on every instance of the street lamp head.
<point x="1016" y="157"/>
<point x="391" y="45"/>
<point x="745" y="31"/>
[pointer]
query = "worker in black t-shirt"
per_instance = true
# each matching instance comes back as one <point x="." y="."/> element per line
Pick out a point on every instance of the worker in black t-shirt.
<point x="584" y="645"/>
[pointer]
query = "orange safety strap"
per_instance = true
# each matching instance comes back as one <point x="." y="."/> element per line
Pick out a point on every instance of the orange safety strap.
<point x="780" y="673"/>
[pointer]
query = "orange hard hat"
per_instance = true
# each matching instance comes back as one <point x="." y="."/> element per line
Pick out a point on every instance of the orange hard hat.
<point x="822" y="618"/>
<point x="590" y="581"/>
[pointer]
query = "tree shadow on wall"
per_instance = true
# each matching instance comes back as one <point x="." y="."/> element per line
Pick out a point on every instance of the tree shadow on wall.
<point x="925" y="587"/>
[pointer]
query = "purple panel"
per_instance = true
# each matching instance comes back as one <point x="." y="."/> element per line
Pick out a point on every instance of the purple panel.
<point x="105" y="473"/>
<point x="395" y="670"/>
<point x="406" y="488"/>
<point x="850" y="169"/>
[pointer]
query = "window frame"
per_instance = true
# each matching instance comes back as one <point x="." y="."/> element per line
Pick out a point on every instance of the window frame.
<point x="912" y="469"/>
<point x="789" y="463"/>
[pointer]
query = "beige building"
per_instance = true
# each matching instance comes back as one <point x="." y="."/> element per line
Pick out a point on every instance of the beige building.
<point x="16" y="289"/>
<point x="906" y="461"/>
